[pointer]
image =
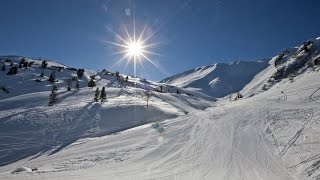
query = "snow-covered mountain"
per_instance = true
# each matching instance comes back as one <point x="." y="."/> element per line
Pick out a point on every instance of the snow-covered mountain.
<point x="287" y="66"/>
<point x="220" y="79"/>
<point x="270" y="133"/>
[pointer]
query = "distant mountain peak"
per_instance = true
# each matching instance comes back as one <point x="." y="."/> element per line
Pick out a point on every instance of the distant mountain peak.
<point x="220" y="79"/>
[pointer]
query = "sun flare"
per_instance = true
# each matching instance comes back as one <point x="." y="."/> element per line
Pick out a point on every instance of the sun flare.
<point x="134" y="49"/>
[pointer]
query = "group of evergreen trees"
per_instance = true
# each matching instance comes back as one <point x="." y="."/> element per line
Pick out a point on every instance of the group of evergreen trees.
<point x="44" y="64"/>
<point x="100" y="95"/>
<point x="80" y="73"/>
<point x="24" y="63"/>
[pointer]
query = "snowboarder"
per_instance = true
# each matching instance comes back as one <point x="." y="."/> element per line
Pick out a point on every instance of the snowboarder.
<point x="103" y="96"/>
<point x="97" y="95"/>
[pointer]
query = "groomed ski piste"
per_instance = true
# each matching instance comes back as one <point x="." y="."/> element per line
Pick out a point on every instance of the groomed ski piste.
<point x="273" y="132"/>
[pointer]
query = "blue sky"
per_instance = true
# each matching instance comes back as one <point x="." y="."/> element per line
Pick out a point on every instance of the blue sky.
<point x="188" y="33"/>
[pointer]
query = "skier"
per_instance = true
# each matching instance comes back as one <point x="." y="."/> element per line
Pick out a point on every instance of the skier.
<point x="97" y="95"/>
<point x="103" y="96"/>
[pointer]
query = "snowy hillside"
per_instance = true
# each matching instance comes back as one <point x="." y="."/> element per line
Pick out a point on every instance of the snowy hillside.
<point x="273" y="132"/>
<point x="29" y="126"/>
<point x="220" y="79"/>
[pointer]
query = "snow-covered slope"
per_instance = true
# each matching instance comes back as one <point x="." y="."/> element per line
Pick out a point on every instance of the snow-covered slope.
<point x="29" y="126"/>
<point x="261" y="137"/>
<point x="271" y="133"/>
<point x="220" y="79"/>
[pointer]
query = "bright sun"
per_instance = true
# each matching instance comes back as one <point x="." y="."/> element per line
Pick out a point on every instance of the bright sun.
<point x="134" y="49"/>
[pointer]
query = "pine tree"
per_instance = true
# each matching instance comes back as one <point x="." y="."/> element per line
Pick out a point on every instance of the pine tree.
<point x="91" y="83"/>
<point x="80" y="73"/>
<point x="103" y="96"/>
<point x="51" y="78"/>
<point x="44" y="64"/>
<point x="97" y="94"/>
<point x="53" y="96"/>
<point x="148" y="94"/>
<point x="4" y="67"/>
<point x="13" y="70"/>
